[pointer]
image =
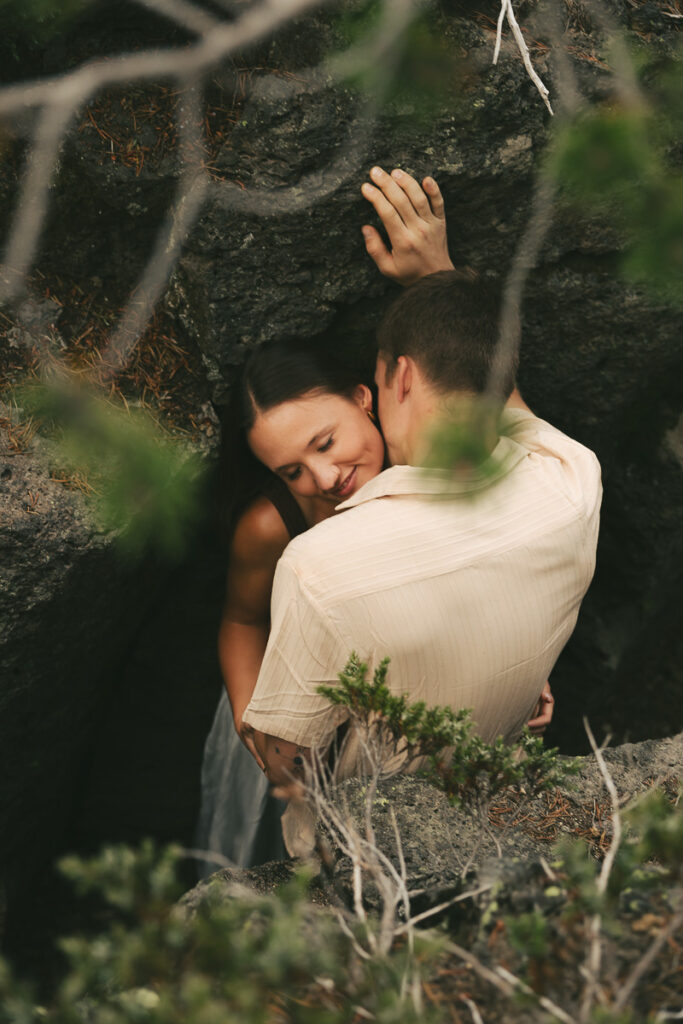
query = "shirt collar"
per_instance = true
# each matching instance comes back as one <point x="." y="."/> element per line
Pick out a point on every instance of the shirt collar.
<point x="415" y="480"/>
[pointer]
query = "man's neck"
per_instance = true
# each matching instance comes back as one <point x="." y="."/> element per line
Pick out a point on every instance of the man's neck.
<point x="451" y="414"/>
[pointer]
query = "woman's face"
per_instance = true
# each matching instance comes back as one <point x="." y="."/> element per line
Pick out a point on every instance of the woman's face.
<point x="322" y="445"/>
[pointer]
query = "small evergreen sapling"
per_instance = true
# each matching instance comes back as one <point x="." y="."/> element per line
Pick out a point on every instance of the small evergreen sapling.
<point x="454" y="758"/>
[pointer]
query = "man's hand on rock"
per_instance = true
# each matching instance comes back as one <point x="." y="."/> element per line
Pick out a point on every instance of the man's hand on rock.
<point x="543" y="712"/>
<point x="414" y="219"/>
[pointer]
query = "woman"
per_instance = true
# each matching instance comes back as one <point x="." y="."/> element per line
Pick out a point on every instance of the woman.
<point x="303" y="393"/>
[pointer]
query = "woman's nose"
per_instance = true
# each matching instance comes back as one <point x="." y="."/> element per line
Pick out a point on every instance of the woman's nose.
<point x="326" y="476"/>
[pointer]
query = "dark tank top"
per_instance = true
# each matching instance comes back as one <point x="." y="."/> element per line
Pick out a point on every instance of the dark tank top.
<point x="279" y="494"/>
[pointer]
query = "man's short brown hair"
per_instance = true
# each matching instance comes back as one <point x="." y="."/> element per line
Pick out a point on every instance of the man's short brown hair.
<point x="448" y="323"/>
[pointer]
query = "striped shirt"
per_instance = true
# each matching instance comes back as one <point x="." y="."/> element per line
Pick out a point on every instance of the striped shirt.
<point x="471" y="588"/>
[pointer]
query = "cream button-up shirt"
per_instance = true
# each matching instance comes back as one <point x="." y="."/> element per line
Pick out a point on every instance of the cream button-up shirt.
<point x="471" y="589"/>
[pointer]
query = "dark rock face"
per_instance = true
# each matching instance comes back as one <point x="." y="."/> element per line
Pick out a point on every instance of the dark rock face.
<point x="112" y="667"/>
<point x="68" y="608"/>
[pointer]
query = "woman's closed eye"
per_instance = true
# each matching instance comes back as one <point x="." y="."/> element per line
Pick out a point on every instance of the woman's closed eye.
<point x="294" y="475"/>
<point x="327" y="444"/>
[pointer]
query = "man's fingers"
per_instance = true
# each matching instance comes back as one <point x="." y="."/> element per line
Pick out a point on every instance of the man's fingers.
<point x="413" y="190"/>
<point x="395" y="195"/>
<point x="543" y="712"/>
<point x="247" y="736"/>
<point x="435" y="198"/>
<point x="251" y="747"/>
<point x="384" y="210"/>
<point x="378" y="250"/>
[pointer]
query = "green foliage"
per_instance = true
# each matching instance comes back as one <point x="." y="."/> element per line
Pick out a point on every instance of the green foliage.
<point x="35" y="21"/>
<point x="464" y="445"/>
<point x="417" y="76"/>
<point x="528" y="934"/>
<point x="139" y="482"/>
<point x="659" y="828"/>
<point x="126" y="878"/>
<point x="236" y="960"/>
<point x="605" y="1015"/>
<point x="650" y="856"/>
<point x="459" y="762"/>
<point x="605" y="156"/>
<point x="614" y="161"/>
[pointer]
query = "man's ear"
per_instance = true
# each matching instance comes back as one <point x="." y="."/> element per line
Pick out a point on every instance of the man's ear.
<point x="404" y="377"/>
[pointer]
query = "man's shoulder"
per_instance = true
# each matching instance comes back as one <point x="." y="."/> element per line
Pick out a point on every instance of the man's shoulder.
<point x="332" y="535"/>
<point x="580" y="465"/>
<point x="533" y="432"/>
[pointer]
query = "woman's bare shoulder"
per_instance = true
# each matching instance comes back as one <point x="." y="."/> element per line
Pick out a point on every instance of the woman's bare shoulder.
<point x="260" y="534"/>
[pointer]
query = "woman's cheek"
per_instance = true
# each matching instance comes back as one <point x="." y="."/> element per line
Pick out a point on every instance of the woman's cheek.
<point x="305" y="487"/>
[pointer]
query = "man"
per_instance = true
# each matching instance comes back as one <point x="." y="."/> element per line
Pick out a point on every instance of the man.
<point x="470" y="584"/>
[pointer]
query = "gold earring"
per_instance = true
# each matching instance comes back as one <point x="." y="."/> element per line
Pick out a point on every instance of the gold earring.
<point x="371" y="416"/>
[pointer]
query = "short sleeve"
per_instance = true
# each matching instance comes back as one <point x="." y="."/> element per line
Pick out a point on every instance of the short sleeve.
<point x="304" y="651"/>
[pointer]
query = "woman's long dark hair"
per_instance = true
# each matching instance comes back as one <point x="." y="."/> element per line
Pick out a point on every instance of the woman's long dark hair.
<point x="272" y="374"/>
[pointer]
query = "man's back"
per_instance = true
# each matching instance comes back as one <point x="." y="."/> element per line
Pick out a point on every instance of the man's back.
<point x="471" y="593"/>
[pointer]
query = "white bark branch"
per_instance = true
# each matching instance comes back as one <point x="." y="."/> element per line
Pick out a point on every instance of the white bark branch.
<point x="507" y="12"/>
<point x="594" y="958"/>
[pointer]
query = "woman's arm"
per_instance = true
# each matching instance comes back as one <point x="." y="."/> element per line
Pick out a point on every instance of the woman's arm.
<point x="258" y="542"/>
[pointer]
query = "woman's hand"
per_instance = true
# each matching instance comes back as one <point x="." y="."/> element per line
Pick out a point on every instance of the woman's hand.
<point x="543" y="712"/>
<point x="246" y="734"/>
<point x="414" y="219"/>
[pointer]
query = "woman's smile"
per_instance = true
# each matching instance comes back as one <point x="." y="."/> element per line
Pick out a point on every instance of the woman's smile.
<point x="346" y="488"/>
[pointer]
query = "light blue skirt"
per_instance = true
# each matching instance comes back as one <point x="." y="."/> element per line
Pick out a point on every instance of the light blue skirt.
<point x="238" y="817"/>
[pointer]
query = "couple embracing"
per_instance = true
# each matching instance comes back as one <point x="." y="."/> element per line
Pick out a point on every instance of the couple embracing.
<point x="471" y="584"/>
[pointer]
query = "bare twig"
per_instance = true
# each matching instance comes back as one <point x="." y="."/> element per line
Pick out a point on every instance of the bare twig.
<point x="509" y="331"/>
<point x="443" y="906"/>
<point x="474" y="1010"/>
<point x="212" y="857"/>
<point x="506" y="11"/>
<point x="380" y="53"/>
<point x="542" y="1001"/>
<point x="624" y="74"/>
<point x="594" y="958"/>
<point x="631" y="983"/>
<point x="73" y="88"/>
<point x="33" y="198"/>
<point x="566" y="82"/>
<point x="184" y="14"/>
<point x="63" y="95"/>
<point x="507" y="983"/>
<point x="192" y="191"/>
